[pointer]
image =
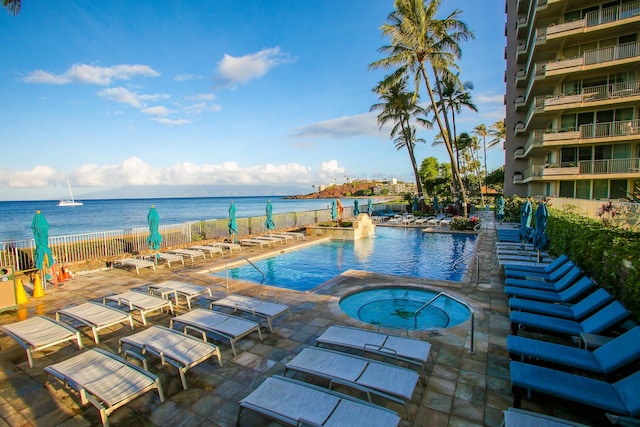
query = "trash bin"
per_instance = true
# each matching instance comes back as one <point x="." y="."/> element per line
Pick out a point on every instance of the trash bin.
<point x="7" y="289"/>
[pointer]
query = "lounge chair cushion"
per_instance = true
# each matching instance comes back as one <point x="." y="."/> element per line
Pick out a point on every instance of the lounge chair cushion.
<point x="538" y="270"/>
<point x="566" y="280"/>
<point x="572" y="293"/>
<point x="577" y="311"/>
<point x="620" y="397"/>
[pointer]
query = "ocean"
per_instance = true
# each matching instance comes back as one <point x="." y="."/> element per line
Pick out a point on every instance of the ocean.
<point x="122" y="214"/>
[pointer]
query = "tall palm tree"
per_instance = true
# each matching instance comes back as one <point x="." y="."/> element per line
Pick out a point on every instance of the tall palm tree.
<point x="481" y="131"/>
<point x="418" y="40"/>
<point x="454" y="96"/>
<point x="497" y="132"/>
<point x="398" y="106"/>
<point x="13" y="6"/>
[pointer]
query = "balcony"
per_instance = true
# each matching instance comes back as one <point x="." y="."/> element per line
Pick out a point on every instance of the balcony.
<point x="622" y="168"/>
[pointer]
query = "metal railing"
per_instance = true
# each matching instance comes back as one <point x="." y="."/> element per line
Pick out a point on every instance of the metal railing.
<point x="441" y="294"/>
<point x="226" y="272"/>
<point x="463" y="259"/>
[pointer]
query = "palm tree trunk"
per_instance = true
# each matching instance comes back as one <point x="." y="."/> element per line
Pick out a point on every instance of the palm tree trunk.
<point x="447" y="140"/>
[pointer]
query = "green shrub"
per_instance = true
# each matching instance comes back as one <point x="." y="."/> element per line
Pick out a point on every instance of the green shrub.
<point x="462" y="223"/>
<point x="609" y="255"/>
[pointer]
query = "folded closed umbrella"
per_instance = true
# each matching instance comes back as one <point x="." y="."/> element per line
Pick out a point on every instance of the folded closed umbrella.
<point x="269" y="222"/>
<point x="500" y="208"/>
<point x="525" y="222"/>
<point x="540" y="239"/>
<point x="416" y="205"/>
<point x="370" y="207"/>
<point x="233" y="227"/>
<point x="356" y="208"/>
<point x="40" y="228"/>
<point x="435" y="204"/>
<point x="334" y="210"/>
<point x="155" y="238"/>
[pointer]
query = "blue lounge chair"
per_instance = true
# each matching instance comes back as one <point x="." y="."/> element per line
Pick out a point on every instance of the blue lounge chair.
<point x="569" y="278"/>
<point x="577" y="311"/>
<point x="552" y="276"/>
<point x="619" y="398"/>
<point x="597" y="323"/>
<point x="604" y="360"/>
<point x="571" y="294"/>
<point x="536" y="269"/>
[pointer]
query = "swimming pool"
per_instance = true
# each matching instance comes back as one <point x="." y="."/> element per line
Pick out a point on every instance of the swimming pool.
<point x="399" y="251"/>
<point x="404" y="307"/>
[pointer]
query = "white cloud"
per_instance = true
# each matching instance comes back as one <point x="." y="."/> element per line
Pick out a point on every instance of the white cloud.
<point x="157" y="111"/>
<point x="201" y="97"/>
<point x="344" y="127"/>
<point x="201" y="107"/>
<point x="89" y="74"/>
<point x="125" y="96"/>
<point x="233" y="70"/>
<point x="38" y="176"/>
<point x="186" y="77"/>
<point x="166" y="121"/>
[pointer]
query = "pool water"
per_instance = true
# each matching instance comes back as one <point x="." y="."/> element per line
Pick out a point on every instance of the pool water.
<point x="399" y="251"/>
<point x="400" y="307"/>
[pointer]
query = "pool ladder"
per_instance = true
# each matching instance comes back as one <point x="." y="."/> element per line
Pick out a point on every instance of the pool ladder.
<point x="464" y="258"/>
<point x="444" y="294"/>
<point x="226" y="271"/>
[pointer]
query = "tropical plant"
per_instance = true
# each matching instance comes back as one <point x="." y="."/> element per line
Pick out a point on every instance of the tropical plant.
<point x="13" y="6"/>
<point x="398" y="106"/>
<point x="497" y="133"/>
<point x="419" y="40"/>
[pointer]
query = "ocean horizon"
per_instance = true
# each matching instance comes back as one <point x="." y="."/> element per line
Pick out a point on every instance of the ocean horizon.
<point x="121" y="214"/>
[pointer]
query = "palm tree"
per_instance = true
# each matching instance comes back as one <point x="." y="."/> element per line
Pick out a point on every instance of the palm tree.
<point x="417" y="40"/>
<point x="481" y="130"/>
<point x="497" y="133"/>
<point x="13" y="6"/>
<point x="398" y="107"/>
<point x="454" y="96"/>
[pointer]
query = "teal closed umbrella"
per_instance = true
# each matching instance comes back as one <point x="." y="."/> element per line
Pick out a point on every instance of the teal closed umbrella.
<point x="540" y="239"/>
<point x="370" y="207"/>
<point x="356" y="208"/>
<point x="43" y="255"/>
<point x="334" y="210"/>
<point x="155" y="238"/>
<point x="500" y="209"/>
<point x="233" y="227"/>
<point x="525" y="222"/>
<point x="269" y="222"/>
<point x="435" y="204"/>
<point x="416" y="204"/>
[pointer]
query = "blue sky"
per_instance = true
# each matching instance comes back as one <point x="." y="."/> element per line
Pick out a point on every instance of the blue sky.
<point x="153" y="98"/>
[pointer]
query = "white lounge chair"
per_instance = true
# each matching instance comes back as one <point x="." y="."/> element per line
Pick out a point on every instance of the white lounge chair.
<point x="104" y="380"/>
<point x="223" y="325"/>
<point x="257" y="307"/>
<point x="189" y="253"/>
<point x="300" y="404"/>
<point x="366" y="375"/>
<point x="142" y="302"/>
<point x="286" y="237"/>
<point x="412" y="351"/>
<point x="171" y="347"/>
<point x="168" y="258"/>
<point x="230" y="246"/>
<point x="187" y="290"/>
<point x="96" y="316"/>
<point x="436" y="220"/>
<point x="298" y="236"/>
<point x="38" y="333"/>
<point x="254" y="242"/>
<point x="270" y="239"/>
<point x="135" y="263"/>
<point x="211" y="250"/>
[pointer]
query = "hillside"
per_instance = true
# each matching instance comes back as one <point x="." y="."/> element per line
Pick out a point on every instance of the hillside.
<point x="350" y="189"/>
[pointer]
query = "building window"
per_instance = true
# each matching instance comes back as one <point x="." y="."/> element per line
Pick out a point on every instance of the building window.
<point x="567" y="189"/>
<point x="600" y="189"/>
<point x="583" y="189"/>
<point x="618" y="189"/>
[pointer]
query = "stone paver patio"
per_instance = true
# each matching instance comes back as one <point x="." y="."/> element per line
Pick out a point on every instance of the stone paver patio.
<point x="462" y="389"/>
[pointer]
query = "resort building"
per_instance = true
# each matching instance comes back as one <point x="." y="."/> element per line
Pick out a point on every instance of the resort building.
<point x="572" y="98"/>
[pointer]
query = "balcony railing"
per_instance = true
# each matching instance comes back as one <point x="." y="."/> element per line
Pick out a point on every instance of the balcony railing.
<point x="610" y="129"/>
<point x="585" y="167"/>
<point x="611" y="14"/>
<point x="612" y="53"/>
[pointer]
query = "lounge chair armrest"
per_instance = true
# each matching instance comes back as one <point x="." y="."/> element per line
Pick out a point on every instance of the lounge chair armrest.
<point x="188" y="328"/>
<point x="138" y="356"/>
<point x="381" y="349"/>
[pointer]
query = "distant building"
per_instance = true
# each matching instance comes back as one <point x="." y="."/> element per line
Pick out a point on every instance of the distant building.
<point x="572" y="98"/>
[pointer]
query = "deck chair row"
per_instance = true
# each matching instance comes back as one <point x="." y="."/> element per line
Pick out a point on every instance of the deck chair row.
<point x="299" y="403"/>
<point x="559" y="300"/>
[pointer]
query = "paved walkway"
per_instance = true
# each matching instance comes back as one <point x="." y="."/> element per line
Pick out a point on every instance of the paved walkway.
<point x="462" y="389"/>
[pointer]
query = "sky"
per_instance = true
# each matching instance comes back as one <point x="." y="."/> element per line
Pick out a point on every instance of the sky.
<point x="170" y="98"/>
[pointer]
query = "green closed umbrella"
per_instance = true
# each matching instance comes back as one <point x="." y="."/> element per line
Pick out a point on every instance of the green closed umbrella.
<point x="540" y="239"/>
<point x="356" y="208"/>
<point x="233" y="227"/>
<point x="269" y="222"/>
<point x="370" y="207"/>
<point x="43" y="255"/>
<point x="155" y="238"/>
<point x="334" y="210"/>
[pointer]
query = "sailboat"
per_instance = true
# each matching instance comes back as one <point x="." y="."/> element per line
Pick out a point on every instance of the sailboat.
<point x="71" y="201"/>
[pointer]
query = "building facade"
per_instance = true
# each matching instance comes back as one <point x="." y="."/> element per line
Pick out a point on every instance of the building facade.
<point x="572" y="98"/>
